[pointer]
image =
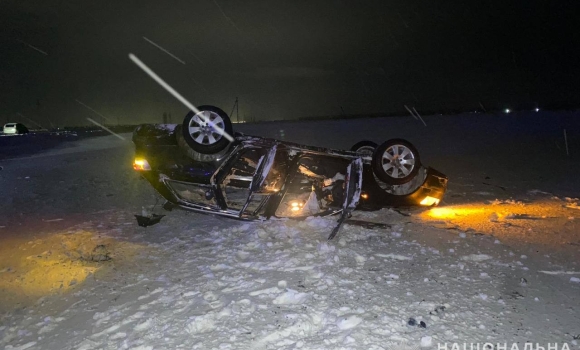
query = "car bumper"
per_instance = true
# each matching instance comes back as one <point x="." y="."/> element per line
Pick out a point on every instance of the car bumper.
<point x="433" y="187"/>
<point x="429" y="193"/>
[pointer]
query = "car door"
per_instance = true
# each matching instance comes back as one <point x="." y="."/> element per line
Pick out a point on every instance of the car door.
<point x="241" y="176"/>
<point x="257" y="198"/>
<point x="352" y="191"/>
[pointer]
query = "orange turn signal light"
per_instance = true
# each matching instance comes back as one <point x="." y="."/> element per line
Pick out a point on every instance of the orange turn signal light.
<point x="429" y="201"/>
<point x="141" y="164"/>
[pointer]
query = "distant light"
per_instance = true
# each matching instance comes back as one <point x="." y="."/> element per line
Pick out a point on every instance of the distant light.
<point x="507" y="110"/>
<point x="364" y="196"/>
<point x="537" y="109"/>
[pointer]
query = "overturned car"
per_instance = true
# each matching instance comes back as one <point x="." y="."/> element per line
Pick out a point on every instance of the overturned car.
<point x="194" y="166"/>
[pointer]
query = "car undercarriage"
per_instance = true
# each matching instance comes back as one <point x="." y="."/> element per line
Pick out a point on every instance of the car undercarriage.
<point x="256" y="178"/>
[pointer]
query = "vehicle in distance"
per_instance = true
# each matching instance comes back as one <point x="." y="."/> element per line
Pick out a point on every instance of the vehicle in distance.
<point x="14" y="128"/>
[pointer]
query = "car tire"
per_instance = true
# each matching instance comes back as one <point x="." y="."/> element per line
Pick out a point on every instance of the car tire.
<point x="396" y="162"/>
<point x="203" y="138"/>
<point x="197" y="156"/>
<point x="364" y="148"/>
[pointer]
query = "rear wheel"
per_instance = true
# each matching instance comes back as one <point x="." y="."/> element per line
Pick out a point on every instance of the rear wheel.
<point x="200" y="137"/>
<point x="396" y="162"/>
<point x="204" y="131"/>
<point x="364" y="148"/>
<point x="197" y="156"/>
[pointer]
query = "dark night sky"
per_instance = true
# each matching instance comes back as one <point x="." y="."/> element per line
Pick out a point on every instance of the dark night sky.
<point x="284" y="59"/>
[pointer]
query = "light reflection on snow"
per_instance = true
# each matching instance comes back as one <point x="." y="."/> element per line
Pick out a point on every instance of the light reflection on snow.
<point x="53" y="263"/>
<point x="534" y="221"/>
<point x="450" y="213"/>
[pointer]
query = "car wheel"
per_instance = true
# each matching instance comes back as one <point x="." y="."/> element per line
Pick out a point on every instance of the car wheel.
<point x="197" y="156"/>
<point x="364" y="148"/>
<point x="203" y="137"/>
<point x="396" y="162"/>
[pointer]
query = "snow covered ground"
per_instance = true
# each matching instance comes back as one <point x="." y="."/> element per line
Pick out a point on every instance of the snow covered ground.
<point x="496" y="263"/>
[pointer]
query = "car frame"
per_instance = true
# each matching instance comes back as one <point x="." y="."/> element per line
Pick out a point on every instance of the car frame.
<point x="190" y="183"/>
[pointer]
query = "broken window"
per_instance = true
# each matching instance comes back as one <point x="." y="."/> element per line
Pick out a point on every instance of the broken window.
<point x="317" y="186"/>
<point x="236" y="185"/>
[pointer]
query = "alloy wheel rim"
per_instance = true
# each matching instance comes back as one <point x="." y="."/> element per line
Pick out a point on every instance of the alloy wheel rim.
<point x="203" y="132"/>
<point x="398" y="161"/>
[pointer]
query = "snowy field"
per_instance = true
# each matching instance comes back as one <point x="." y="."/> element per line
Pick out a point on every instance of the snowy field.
<point x="497" y="262"/>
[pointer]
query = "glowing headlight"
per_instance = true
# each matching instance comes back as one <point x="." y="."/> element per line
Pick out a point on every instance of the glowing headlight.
<point x="429" y="201"/>
<point x="141" y="164"/>
<point x="296" y="206"/>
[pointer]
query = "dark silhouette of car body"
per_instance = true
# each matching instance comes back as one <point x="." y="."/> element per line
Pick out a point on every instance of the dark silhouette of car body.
<point x="259" y="178"/>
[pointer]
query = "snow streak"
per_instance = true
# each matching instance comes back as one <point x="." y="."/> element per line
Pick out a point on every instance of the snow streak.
<point x="33" y="47"/>
<point x="162" y="49"/>
<point x="177" y="95"/>
<point x="92" y="110"/>
<point x="106" y="129"/>
<point x="197" y="58"/>
<point x="226" y="16"/>
<point x="30" y="120"/>
<point x="415" y="114"/>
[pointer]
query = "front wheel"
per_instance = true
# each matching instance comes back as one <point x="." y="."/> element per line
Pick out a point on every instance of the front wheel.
<point x="396" y="162"/>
